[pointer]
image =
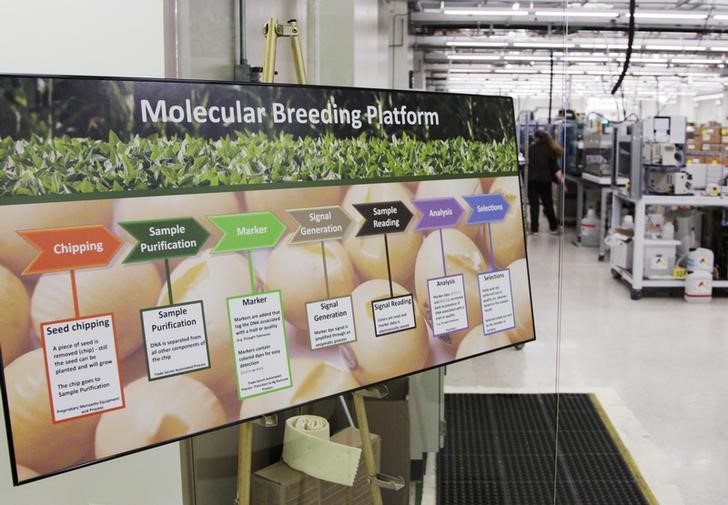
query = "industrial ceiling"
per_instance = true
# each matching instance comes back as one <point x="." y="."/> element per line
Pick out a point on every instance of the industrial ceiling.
<point x="680" y="47"/>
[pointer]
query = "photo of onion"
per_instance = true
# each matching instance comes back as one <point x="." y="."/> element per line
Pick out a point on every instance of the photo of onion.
<point x="14" y="316"/>
<point x="198" y="207"/>
<point x="212" y="278"/>
<point x="298" y="271"/>
<point x="456" y="188"/>
<point x="368" y="253"/>
<point x="311" y="378"/>
<point x="463" y="257"/>
<point x="156" y="412"/>
<point x="508" y="238"/>
<point x="120" y="289"/>
<point x="16" y="253"/>
<point x="371" y="358"/>
<point x="38" y="442"/>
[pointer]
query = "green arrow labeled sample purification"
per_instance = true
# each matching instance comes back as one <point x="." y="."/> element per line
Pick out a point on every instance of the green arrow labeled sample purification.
<point x="165" y="238"/>
<point x="252" y="230"/>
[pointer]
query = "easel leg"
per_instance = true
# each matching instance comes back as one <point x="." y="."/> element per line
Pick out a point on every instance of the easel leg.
<point x="366" y="444"/>
<point x="245" y="455"/>
<point x="269" y="56"/>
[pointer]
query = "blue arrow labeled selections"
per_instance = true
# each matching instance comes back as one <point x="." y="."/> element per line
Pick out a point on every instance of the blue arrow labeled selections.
<point x="487" y="208"/>
<point x="438" y="213"/>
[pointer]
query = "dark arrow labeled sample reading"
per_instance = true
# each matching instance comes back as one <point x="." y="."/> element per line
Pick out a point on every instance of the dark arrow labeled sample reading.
<point x="383" y="217"/>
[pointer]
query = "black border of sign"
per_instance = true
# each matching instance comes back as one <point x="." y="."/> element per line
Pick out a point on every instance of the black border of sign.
<point x="516" y="173"/>
<point x="414" y="316"/>
<point x="144" y="337"/>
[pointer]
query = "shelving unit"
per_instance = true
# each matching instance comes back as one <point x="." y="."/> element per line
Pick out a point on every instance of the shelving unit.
<point x="605" y="188"/>
<point x="635" y="278"/>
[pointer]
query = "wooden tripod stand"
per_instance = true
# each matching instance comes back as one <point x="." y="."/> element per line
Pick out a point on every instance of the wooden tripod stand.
<point x="272" y="31"/>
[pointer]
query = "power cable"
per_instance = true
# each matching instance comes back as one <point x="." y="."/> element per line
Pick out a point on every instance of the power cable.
<point x="551" y="84"/>
<point x="630" y="42"/>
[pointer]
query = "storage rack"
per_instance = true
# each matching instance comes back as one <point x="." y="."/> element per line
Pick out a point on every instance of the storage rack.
<point x="635" y="278"/>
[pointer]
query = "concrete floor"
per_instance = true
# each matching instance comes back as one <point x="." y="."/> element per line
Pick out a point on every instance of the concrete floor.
<point x="661" y="364"/>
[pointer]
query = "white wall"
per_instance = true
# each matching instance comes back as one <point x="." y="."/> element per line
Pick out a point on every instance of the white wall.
<point x="349" y="41"/>
<point x="89" y="37"/>
<point x="257" y="14"/>
<point x="371" y="44"/>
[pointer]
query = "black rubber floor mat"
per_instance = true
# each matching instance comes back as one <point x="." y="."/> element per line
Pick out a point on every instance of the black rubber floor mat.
<point x="500" y="450"/>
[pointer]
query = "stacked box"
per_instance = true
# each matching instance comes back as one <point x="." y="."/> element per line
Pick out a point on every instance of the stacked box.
<point x="713" y="147"/>
<point x="279" y="484"/>
<point x="711" y="134"/>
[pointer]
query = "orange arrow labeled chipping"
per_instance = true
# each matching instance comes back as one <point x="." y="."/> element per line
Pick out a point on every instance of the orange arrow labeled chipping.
<point x="70" y="248"/>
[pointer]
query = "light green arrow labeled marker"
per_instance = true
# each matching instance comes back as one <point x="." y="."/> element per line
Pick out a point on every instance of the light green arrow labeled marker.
<point x="251" y="230"/>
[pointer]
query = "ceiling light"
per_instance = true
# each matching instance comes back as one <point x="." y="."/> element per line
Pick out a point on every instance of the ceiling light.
<point x="606" y="46"/>
<point x="476" y="70"/>
<point x="474" y="57"/>
<point x="668" y="15"/>
<point x="696" y="61"/>
<point x="658" y="47"/>
<point x="525" y="57"/>
<point x="466" y="43"/>
<point x="544" y="45"/>
<point x="576" y="57"/>
<point x="637" y="59"/>
<point x="516" y="71"/>
<point x="485" y="12"/>
<point x="720" y="17"/>
<point x="719" y="49"/>
<point x="577" y="14"/>
<point x="714" y="96"/>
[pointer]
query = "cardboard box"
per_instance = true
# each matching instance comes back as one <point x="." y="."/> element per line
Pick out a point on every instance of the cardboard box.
<point x="724" y="139"/>
<point x="390" y="418"/>
<point x="713" y="147"/>
<point x="711" y="135"/>
<point x="692" y="145"/>
<point x="279" y="484"/>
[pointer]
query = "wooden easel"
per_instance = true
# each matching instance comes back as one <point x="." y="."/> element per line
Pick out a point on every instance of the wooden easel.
<point x="377" y="481"/>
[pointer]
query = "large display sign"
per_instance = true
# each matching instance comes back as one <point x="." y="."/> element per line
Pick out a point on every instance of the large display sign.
<point x="180" y="256"/>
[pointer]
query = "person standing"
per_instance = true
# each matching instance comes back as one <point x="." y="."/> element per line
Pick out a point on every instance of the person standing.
<point x="543" y="169"/>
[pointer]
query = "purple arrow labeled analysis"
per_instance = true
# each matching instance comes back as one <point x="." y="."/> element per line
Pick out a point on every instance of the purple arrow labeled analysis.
<point x="490" y="208"/>
<point x="438" y="213"/>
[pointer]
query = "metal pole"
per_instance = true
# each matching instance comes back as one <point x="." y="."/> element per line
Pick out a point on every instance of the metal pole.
<point x="241" y="21"/>
<point x="245" y="456"/>
<point x="269" y="57"/>
<point x="363" y="422"/>
<point x="298" y="62"/>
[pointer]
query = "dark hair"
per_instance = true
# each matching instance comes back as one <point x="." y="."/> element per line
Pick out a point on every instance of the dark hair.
<point x="541" y="136"/>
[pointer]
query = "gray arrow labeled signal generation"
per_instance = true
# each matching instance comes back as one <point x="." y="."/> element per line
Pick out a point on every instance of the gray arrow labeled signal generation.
<point x="319" y="224"/>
